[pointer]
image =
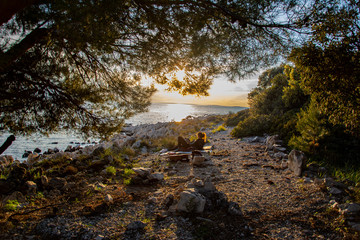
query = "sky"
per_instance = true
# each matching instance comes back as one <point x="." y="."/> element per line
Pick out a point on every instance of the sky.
<point x="222" y="92"/>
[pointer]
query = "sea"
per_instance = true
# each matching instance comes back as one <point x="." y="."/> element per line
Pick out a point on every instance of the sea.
<point x="158" y="112"/>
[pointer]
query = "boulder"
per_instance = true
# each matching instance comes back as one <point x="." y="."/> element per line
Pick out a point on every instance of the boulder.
<point x="197" y="160"/>
<point x="44" y="181"/>
<point x="156" y="176"/>
<point x="296" y="162"/>
<point x="33" y="158"/>
<point x="31" y="187"/>
<point x="142" y="172"/>
<point x="136" y="225"/>
<point x="191" y="201"/>
<point x="57" y="183"/>
<point x="271" y="141"/>
<point x="18" y="196"/>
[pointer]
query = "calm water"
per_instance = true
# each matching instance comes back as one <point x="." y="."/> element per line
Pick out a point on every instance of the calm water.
<point x="158" y="112"/>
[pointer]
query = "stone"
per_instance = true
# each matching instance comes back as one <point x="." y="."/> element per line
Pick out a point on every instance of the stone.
<point x="356" y="227"/>
<point x="37" y="150"/>
<point x="335" y="191"/>
<point x="156" y="176"/>
<point x="142" y="172"/>
<point x="197" y="160"/>
<point x="31" y="187"/>
<point x="108" y="199"/>
<point x="57" y="183"/>
<point x="15" y="196"/>
<point x="234" y="209"/>
<point x="209" y="186"/>
<point x="136" y="144"/>
<point x="33" y="158"/>
<point x="98" y="151"/>
<point x="136" y="225"/>
<point x="352" y="208"/>
<point x="271" y="141"/>
<point x="191" y="201"/>
<point x="44" y="180"/>
<point x="296" y="162"/>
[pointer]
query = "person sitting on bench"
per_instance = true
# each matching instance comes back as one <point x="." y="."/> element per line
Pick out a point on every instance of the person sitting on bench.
<point x="185" y="145"/>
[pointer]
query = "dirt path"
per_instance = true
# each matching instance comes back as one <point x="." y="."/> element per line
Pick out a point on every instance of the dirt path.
<point x="273" y="202"/>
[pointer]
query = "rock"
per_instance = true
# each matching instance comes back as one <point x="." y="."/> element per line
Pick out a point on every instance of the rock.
<point x="144" y="150"/>
<point x="271" y="141"/>
<point x="209" y="186"/>
<point x="44" y="181"/>
<point x="296" y="162"/>
<point x="108" y="199"/>
<point x="15" y="196"/>
<point x="37" y="150"/>
<point x="98" y="151"/>
<point x="57" y="183"/>
<point x="142" y="172"/>
<point x="156" y="176"/>
<point x="33" y="158"/>
<point x="136" y="225"/>
<point x="136" y="144"/>
<point x="18" y="174"/>
<point x="191" y="201"/>
<point x="351" y="209"/>
<point x="335" y="191"/>
<point x="31" y="187"/>
<point x="234" y="209"/>
<point x="356" y="227"/>
<point x="197" y="160"/>
<point x="26" y="154"/>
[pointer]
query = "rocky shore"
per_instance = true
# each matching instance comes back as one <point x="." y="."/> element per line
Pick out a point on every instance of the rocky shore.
<point x="126" y="188"/>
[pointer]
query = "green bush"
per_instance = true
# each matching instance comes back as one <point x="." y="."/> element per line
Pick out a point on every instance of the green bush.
<point x="233" y="119"/>
<point x="255" y="125"/>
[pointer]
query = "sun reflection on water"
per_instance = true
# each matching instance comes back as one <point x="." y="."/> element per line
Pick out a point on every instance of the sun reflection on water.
<point x="177" y="112"/>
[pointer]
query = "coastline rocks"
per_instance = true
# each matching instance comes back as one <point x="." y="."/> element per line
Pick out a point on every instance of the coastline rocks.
<point x="296" y="162"/>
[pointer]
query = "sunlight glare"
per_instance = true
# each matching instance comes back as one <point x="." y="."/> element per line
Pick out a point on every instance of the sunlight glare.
<point x="177" y="112"/>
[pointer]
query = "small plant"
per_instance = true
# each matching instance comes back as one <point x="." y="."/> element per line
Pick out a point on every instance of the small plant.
<point x="11" y="205"/>
<point x="127" y="176"/>
<point x="111" y="170"/>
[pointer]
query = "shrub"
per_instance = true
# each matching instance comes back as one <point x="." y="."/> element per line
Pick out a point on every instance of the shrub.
<point x="233" y="119"/>
<point x="254" y="125"/>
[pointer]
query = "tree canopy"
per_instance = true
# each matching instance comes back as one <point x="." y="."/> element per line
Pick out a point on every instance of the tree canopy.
<point x="77" y="64"/>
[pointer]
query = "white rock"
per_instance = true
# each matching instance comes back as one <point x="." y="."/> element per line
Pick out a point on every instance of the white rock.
<point x="191" y="201"/>
<point x="296" y="162"/>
